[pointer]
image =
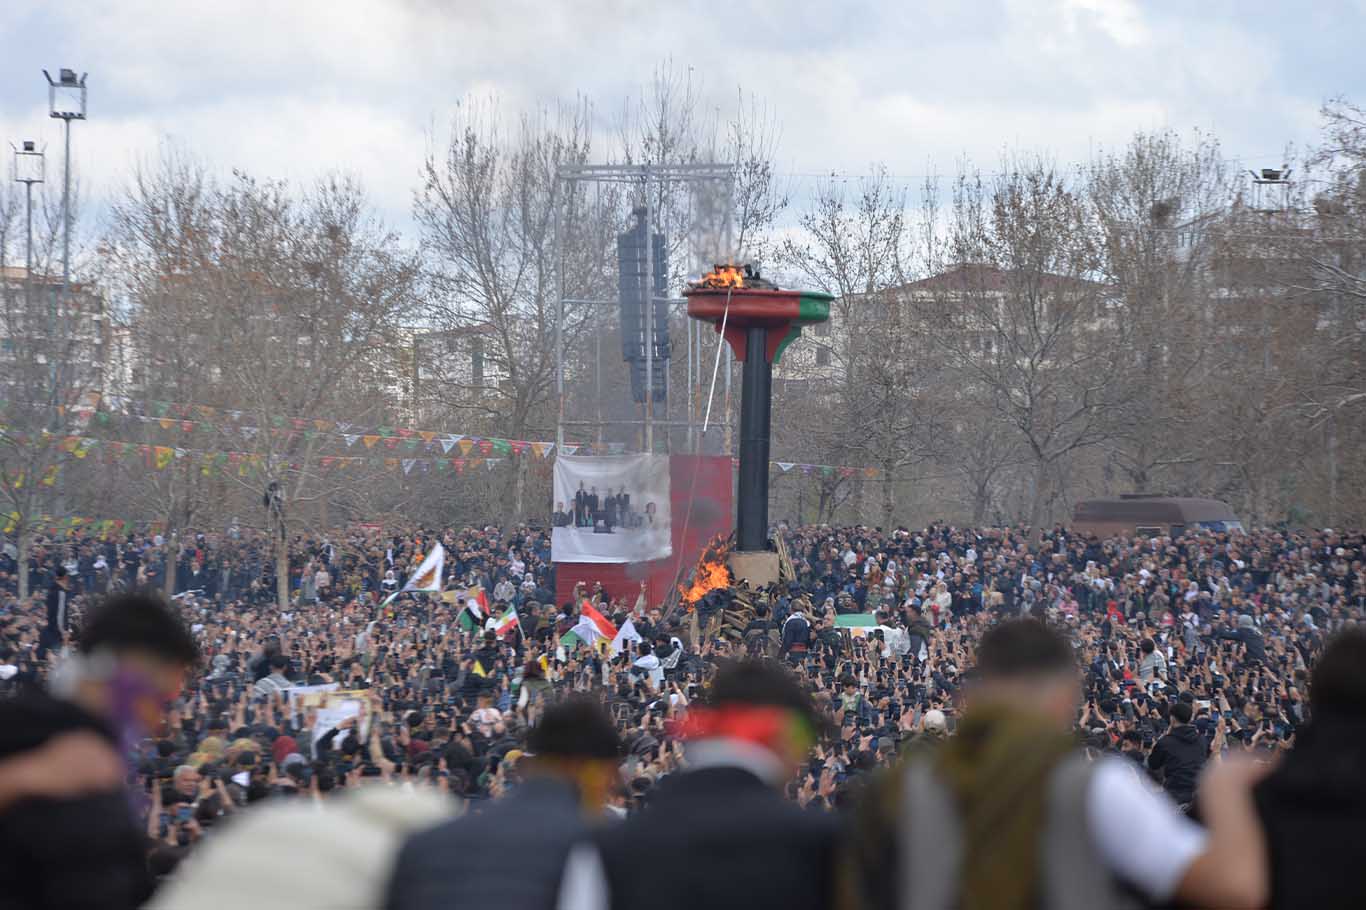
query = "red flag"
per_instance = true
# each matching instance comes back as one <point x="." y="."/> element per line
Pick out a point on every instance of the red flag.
<point x="603" y="624"/>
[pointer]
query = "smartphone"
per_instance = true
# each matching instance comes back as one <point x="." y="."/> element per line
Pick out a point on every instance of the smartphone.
<point x="183" y="814"/>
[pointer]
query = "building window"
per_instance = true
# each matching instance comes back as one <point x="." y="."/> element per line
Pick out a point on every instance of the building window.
<point x="822" y="356"/>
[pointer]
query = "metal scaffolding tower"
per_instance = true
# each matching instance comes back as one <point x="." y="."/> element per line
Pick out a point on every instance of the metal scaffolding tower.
<point x="647" y="178"/>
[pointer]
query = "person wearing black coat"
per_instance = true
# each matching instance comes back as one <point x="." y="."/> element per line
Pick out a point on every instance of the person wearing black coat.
<point x="721" y="829"/>
<point x="1247" y="634"/>
<point x="511" y="854"/>
<point x="58" y="613"/>
<point x="1180" y="755"/>
<point x="1313" y="805"/>
<point x="85" y="847"/>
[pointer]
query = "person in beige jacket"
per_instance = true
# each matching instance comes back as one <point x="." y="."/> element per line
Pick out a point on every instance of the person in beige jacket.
<point x="305" y="855"/>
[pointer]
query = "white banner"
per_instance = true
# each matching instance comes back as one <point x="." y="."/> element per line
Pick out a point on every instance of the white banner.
<point x="611" y="508"/>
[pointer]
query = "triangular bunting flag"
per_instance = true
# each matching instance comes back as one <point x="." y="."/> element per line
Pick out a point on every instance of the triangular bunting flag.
<point x="785" y="465"/>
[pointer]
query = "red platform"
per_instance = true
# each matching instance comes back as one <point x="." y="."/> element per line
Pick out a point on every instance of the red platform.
<point x="700" y="498"/>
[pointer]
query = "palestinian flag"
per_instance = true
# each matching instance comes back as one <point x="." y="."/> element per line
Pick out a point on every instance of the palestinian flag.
<point x="601" y="623"/>
<point x="507" y="622"/>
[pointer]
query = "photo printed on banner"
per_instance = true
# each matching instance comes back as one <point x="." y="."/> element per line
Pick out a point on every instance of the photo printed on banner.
<point x="611" y="508"/>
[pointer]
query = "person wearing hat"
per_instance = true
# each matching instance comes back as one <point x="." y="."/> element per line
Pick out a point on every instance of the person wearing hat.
<point x="512" y="854"/>
<point x="746" y="846"/>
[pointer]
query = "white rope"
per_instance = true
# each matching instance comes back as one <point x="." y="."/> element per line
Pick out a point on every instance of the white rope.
<point x="725" y="314"/>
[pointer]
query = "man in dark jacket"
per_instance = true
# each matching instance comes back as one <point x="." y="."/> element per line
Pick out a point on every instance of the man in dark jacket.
<point x="1313" y="806"/>
<point x="796" y="636"/>
<point x="722" y="829"/>
<point x="1247" y="634"/>
<point x="58" y="613"/>
<point x="1180" y="755"/>
<point x="511" y="855"/>
<point x="84" y="847"/>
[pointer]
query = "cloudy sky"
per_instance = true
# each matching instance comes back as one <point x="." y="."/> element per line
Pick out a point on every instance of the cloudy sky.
<point x="304" y="87"/>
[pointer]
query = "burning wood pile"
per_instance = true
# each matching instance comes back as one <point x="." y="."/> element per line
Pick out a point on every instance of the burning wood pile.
<point x="737" y="277"/>
<point x="711" y="574"/>
<point x="719" y="604"/>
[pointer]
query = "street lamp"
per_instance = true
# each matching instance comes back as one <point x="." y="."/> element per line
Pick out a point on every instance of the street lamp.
<point x="29" y="168"/>
<point x="66" y="102"/>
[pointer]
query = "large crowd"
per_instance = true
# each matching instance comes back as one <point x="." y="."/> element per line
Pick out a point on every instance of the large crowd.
<point x="1192" y="650"/>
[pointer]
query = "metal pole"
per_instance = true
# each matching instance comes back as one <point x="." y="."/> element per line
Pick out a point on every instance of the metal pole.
<point x="559" y="327"/>
<point x="597" y="370"/>
<point x="28" y="248"/>
<point x="755" y="412"/>
<point x="649" y="324"/>
<point x="727" y="437"/>
<point x="66" y="210"/>
<point x="688" y="386"/>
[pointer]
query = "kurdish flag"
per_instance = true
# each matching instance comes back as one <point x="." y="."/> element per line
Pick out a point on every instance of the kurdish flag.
<point x="507" y="621"/>
<point x="858" y="624"/>
<point x="427" y="577"/>
<point x="601" y="623"/>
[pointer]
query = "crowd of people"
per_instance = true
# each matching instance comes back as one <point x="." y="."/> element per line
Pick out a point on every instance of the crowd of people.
<point x="1193" y="653"/>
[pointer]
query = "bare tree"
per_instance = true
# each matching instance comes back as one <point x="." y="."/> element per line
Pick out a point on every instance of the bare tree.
<point x="1157" y="205"/>
<point x="1023" y="325"/>
<point x="282" y="312"/>
<point x="869" y="372"/>
<point x="51" y="337"/>
<point x="488" y="208"/>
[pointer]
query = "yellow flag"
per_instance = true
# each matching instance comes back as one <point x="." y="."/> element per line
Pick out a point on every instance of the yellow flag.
<point x="479" y="669"/>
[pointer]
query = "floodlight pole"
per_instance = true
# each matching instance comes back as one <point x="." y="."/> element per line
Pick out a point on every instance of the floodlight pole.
<point x="67" y="81"/>
<point x="28" y="175"/>
<point x="649" y="286"/>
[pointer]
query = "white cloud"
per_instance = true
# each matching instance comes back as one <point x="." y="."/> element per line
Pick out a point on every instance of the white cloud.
<point x="301" y="88"/>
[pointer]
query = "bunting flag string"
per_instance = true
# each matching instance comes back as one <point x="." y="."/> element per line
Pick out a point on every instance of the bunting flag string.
<point x="192" y="418"/>
<point x="489" y="453"/>
<point x="159" y="458"/>
<point x="47" y="524"/>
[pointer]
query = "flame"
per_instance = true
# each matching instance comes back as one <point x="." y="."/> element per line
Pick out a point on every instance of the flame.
<point x="711" y="573"/>
<point x="724" y="276"/>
